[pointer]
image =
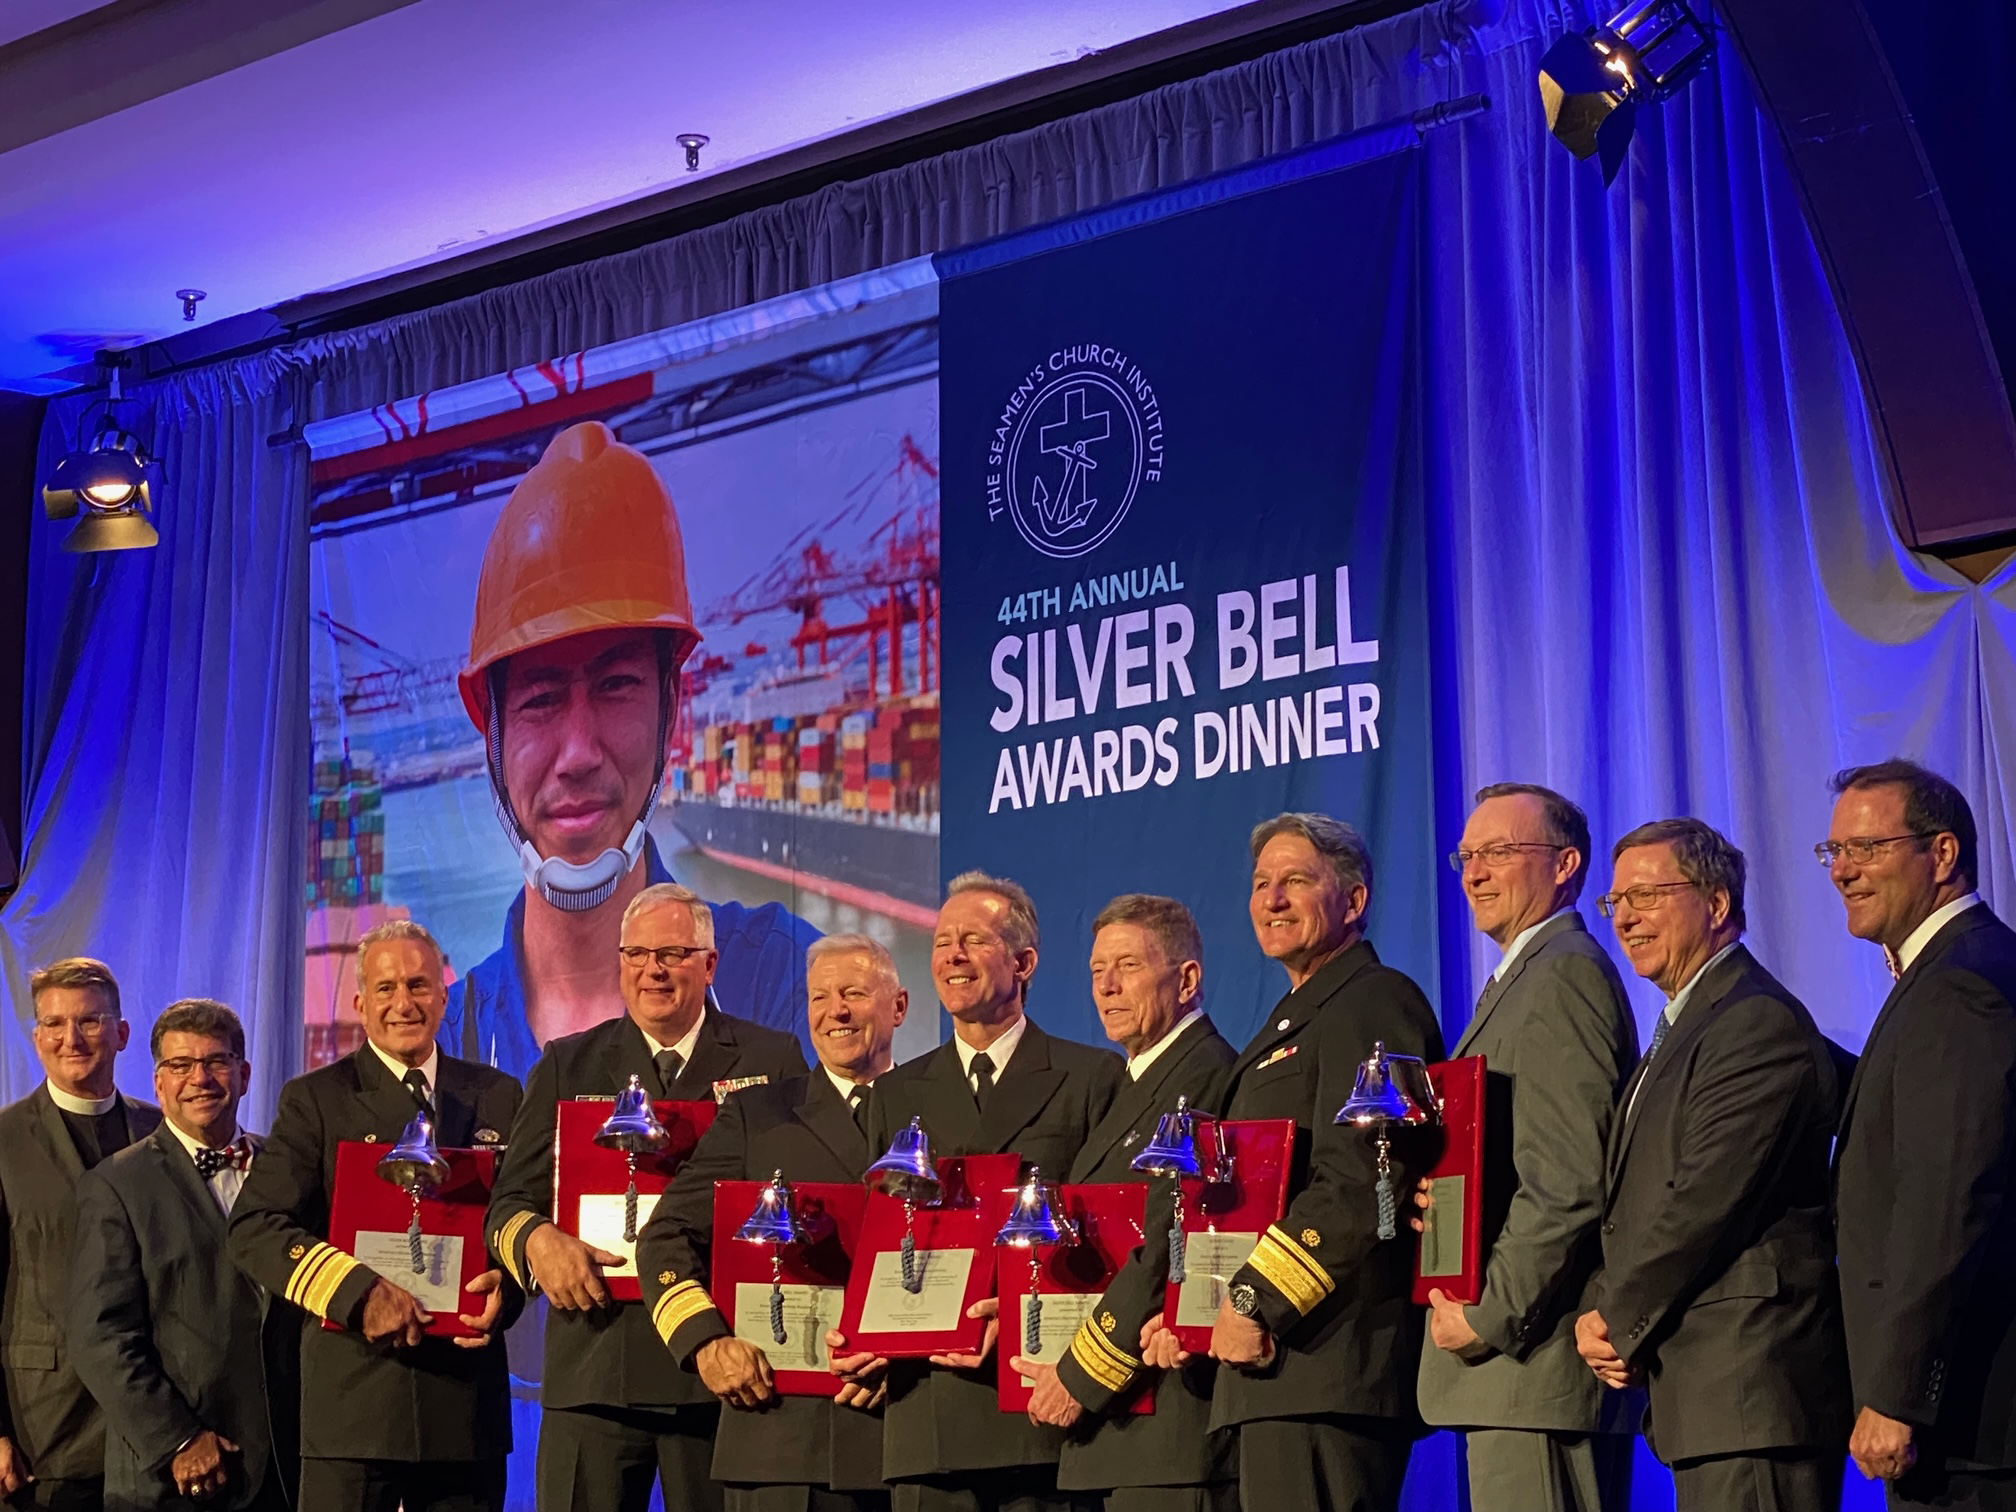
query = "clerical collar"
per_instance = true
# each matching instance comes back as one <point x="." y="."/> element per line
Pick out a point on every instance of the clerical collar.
<point x="85" y="1107"/>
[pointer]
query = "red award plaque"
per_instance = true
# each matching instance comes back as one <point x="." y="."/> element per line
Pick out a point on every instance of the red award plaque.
<point x="591" y="1184"/>
<point x="1451" y="1253"/>
<point x="812" y="1272"/>
<point x="369" y="1219"/>
<point x="1106" y="1221"/>
<point x="954" y="1248"/>
<point x="1244" y="1191"/>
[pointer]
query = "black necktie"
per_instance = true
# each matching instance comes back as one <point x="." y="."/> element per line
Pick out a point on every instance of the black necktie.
<point x="857" y="1103"/>
<point x="416" y="1083"/>
<point x="669" y="1066"/>
<point x="982" y="1068"/>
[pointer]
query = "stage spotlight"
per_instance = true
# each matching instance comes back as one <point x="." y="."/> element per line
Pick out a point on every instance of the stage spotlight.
<point x="1592" y="85"/>
<point x="107" y="482"/>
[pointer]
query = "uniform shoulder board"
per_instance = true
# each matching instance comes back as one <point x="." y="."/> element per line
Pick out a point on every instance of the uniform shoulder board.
<point x="735" y="1084"/>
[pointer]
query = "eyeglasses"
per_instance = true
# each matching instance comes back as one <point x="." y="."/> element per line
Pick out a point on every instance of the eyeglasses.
<point x="91" y="1025"/>
<point x="667" y="956"/>
<point x="1644" y="898"/>
<point x="1860" y="851"/>
<point x="181" y="1067"/>
<point x="1497" y="855"/>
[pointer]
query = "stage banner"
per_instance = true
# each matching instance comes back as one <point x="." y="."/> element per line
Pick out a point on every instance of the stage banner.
<point x="1184" y="566"/>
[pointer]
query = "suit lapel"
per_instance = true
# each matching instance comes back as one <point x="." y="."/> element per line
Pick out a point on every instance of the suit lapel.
<point x="1566" y="923"/>
<point x="56" y="1136"/>
<point x="1301" y="1005"/>
<point x="714" y="1056"/>
<point x="822" y="1111"/>
<point x="1027" y="1084"/>
<point x="947" y="1103"/>
<point x="454" y="1104"/>
<point x="1708" y="996"/>
<point x="1935" y="949"/>
<point x="1139" y="1099"/>
<point x="391" y="1104"/>
<point x="626" y="1053"/>
<point x="180" y="1172"/>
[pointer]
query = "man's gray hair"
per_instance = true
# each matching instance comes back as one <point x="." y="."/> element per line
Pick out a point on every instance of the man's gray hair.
<point x="399" y="929"/>
<point x="1704" y="856"/>
<point x="1173" y="926"/>
<point x="1340" y="845"/>
<point x="661" y="894"/>
<point x="855" y="944"/>
<point x="1018" y="925"/>
<point x="205" y="1017"/>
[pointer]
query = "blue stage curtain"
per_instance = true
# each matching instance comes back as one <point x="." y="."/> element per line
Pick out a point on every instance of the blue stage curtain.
<point x="167" y="739"/>
<point x="1670" y="582"/>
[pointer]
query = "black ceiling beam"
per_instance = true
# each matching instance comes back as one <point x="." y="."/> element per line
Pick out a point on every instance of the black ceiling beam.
<point x="1937" y="393"/>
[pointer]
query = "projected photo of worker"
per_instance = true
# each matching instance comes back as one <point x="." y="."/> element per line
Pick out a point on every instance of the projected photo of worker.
<point x="681" y="625"/>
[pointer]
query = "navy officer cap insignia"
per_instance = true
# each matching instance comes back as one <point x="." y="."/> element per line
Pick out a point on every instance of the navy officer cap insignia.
<point x="487" y="1136"/>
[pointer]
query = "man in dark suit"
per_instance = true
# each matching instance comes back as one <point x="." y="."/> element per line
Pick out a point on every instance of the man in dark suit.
<point x="167" y="1334"/>
<point x="1148" y="984"/>
<point x="52" y="1435"/>
<point x="1000" y="1085"/>
<point x="1558" y="1041"/>
<point x="1718" y="1286"/>
<point x="777" y="1453"/>
<point x="619" y="1412"/>
<point x="1318" y="1327"/>
<point x="390" y="1416"/>
<point x="1926" y="1157"/>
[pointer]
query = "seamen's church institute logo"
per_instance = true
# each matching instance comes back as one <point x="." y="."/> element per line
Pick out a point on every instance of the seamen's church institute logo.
<point x="1075" y="440"/>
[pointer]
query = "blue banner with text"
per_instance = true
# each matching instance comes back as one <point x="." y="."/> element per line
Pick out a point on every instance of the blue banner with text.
<point x="1183" y="559"/>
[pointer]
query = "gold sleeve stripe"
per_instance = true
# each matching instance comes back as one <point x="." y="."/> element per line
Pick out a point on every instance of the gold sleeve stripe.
<point x="1101" y="1359"/>
<point x="1291" y="1270"/>
<point x="678" y="1307"/>
<point x="315" y="1280"/>
<point x="1113" y="1352"/>
<point x="507" y="1244"/>
<point x="1098" y="1367"/>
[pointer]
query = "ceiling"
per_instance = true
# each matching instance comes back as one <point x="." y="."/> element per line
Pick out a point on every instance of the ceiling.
<point x="424" y="130"/>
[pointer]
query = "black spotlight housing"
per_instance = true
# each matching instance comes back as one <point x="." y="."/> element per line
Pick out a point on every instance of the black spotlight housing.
<point x="1592" y="85"/>
<point x="108" y="484"/>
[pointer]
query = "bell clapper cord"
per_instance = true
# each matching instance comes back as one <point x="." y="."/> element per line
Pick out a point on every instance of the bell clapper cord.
<point x="777" y="1293"/>
<point x="1032" y="1315"/>
<point x="417" y="1251"/>
<point x="913" y="1282"/>
<point x="630" y="1200"/>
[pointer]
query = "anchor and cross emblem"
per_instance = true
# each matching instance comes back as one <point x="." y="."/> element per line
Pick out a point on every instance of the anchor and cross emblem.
<point x="1069" y="438"/>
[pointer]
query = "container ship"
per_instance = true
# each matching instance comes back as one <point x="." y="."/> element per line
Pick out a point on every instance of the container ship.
<point x="843" y="802"/>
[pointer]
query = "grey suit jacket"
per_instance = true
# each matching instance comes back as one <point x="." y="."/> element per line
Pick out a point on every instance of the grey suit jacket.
<point x="45" y="1409"/>
<point x="1558" y="1041"/>
<point x="165" y="1331"/>
<point x="1718" y="1243"/>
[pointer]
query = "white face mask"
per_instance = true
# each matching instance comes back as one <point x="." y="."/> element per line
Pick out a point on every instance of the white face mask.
<point x="577" y="888"/>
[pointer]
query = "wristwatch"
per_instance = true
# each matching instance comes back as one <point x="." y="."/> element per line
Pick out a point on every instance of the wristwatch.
<point x="1245" y="1300"/>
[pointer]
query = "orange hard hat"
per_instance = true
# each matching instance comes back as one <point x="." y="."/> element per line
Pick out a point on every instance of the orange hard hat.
<point x="589" y="540"/>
